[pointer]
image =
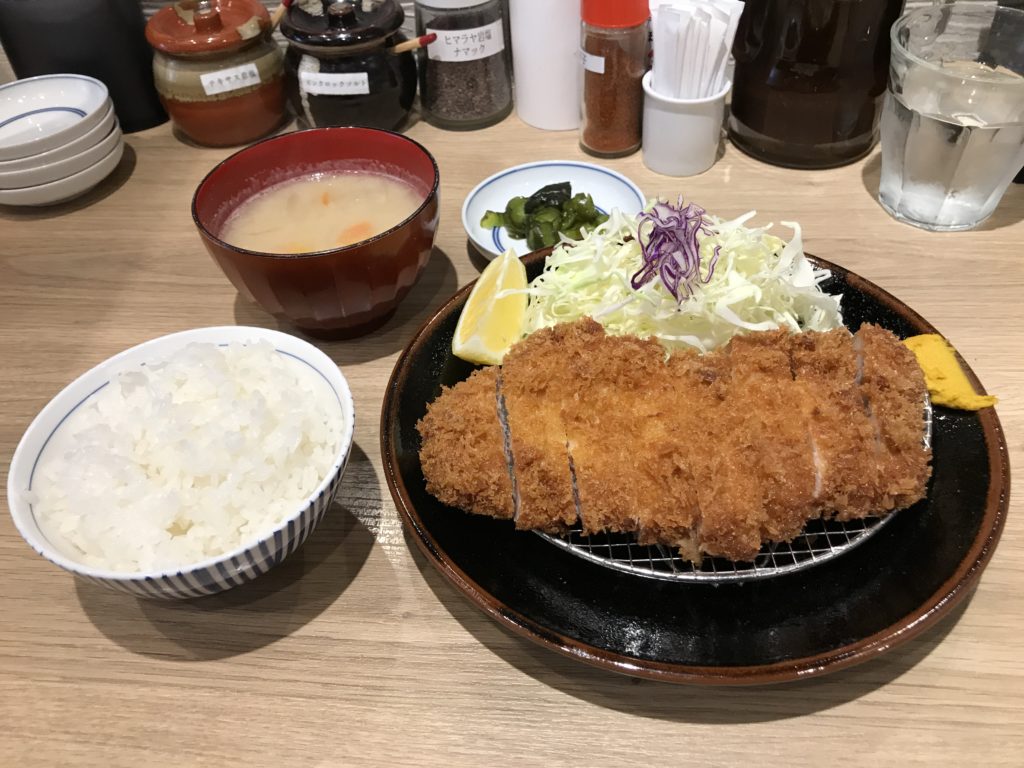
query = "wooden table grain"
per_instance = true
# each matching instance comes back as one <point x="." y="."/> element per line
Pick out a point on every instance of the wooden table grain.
<point x="355" y="651"/>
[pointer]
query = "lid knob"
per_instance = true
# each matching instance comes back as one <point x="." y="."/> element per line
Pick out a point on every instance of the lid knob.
<point x="342" y="12"/>
<point x="338" y="23"/>
<point x="206" y="18"/>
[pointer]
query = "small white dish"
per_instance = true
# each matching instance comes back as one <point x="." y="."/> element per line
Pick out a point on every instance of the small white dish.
<point x="214" y="574"/>
<point x="608" y="188"/>
<point x="45" y="173"/>
<point x="67" y="188"/>
<point x="64" y="151"/>
<point x="38" y="114"/>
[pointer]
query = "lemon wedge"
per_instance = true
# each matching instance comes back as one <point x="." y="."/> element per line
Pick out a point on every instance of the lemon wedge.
<point x="491" y="323"/>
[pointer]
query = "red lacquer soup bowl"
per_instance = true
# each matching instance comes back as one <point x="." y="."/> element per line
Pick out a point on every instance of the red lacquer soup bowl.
<point x="337" y="293"/>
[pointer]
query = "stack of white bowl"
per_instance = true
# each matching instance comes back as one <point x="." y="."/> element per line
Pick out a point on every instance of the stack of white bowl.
<point x="59" y="138"/>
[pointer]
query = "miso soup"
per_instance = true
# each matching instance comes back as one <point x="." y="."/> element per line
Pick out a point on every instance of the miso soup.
<point x="320" y="212"/>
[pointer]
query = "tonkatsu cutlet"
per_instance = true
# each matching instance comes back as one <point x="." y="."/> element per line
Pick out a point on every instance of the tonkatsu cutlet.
<point x="892" y="384"/>
<point x="842" y="435"/>
<point x="708" y="421"/>
<point x="776" y="429"/>
<point x="714" y="454"/>
<point x="621" y="392"/>
<point x="535" y="380"/>
<point x="462" y="454"/>
<point x="673" y="439"/>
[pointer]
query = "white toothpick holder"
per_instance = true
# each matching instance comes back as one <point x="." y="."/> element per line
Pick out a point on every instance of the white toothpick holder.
<point x="681" y="136"/>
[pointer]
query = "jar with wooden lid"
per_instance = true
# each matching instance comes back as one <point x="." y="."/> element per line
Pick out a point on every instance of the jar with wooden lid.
<point x="218" y="73"/>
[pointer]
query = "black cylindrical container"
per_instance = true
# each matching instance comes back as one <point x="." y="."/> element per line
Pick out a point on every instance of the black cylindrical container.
<point x="810" y="78"/>
<point x="104" y="39"/>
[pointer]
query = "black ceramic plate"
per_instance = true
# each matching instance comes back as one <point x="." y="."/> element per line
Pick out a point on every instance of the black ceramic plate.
<point x="883" y="592"/>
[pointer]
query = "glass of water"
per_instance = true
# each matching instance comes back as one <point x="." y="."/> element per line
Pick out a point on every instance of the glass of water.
<point x="953" y="122"/>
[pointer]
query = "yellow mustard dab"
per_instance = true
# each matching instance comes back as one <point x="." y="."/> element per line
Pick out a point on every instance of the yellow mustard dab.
<point x="947" y="383"/>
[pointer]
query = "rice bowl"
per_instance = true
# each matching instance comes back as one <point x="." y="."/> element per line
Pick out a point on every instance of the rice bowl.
<point x="189" y="503"/>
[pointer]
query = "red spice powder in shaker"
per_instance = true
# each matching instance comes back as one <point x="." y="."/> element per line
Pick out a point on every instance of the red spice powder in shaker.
<point x="614" y="51"/>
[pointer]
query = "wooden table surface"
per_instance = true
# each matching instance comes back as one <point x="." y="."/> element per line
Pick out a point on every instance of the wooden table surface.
<point x="355" y="651"/>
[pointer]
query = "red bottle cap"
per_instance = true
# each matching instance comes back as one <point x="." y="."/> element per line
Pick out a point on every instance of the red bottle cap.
<point x="615" y="13"/>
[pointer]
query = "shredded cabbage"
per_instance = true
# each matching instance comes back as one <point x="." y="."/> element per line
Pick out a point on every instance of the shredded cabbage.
<point x="759" y="283"/>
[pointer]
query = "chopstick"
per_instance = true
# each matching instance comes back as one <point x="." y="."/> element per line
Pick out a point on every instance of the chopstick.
<point x="278" y="14"/>
<point x="412" y="45"/>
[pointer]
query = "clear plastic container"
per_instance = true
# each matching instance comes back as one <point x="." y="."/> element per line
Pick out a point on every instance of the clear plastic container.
<point x="466" y="74"/>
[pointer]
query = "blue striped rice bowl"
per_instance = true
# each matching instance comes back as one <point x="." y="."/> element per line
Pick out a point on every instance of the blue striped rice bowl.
<point x="208" y="576"/>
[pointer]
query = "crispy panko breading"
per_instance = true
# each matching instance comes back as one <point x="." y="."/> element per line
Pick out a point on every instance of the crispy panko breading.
<point x="776" y="428"/>
<point x="535" y="379"/>
<point x="842" y="435"/>
<point x="621" y="392"/>
<point x="892" y="384"/>
<point x="726" y="490"/>
<point x="713" y="454"/>
<point x="669" y="434"/>
<point x="463" y="454"/>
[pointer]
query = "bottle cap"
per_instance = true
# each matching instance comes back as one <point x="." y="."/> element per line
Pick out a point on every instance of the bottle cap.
<point x="615" y="13"/>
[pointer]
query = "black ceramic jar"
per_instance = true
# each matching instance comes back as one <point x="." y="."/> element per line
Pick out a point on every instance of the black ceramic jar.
<point x="339" y="67"/>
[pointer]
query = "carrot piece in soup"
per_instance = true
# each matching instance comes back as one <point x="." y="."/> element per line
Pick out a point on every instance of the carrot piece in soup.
<point x="355" y="232"/>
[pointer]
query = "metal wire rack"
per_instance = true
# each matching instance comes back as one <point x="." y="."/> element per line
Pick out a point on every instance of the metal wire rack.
<point x="820" y="541"/>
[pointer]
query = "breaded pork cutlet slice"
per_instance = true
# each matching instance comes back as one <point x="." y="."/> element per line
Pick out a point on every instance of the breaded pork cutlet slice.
<point x="842" y="436"/>
<point x="776" y="428"/>
<point x="622" y="451"/>
<point x="462" y="452"/>
<point x="711" y="425"/>
<point x="535" y="380"/>
<point x="893" y="387"/>
<point x="683" y="450"/>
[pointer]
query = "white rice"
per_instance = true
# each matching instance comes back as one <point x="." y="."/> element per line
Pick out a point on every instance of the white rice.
<point x="187" y="458"/>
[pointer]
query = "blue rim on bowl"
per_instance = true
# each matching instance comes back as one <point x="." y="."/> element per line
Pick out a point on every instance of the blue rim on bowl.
<point x="617" y="192"/>
<point x="73" y="115"/>
<point x="214" y="574"/>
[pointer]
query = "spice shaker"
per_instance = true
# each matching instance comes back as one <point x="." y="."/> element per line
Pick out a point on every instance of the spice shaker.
<point x="466" y="73"/>
<point x="218" y="73"/>
<point x="341" y="65"/>
<point x="810" y="78"/>
<point x="615" y="37"/>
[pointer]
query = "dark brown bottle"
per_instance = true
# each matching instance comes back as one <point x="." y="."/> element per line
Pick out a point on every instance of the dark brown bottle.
<point x="810" y="78"/>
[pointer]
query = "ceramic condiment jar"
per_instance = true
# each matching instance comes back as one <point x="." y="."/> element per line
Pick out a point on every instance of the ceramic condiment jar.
<point x="340" y="66"/>
<point x="219" y="74"/>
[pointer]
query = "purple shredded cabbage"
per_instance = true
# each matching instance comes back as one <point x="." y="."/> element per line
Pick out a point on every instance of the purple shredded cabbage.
<point x="668" y="239"/>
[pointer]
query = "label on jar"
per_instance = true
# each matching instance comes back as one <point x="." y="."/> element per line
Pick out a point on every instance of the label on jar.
<point x="466" y="44"/>
<point x="593" y="63"/>
<point x="230" y="79"/>
<point x="335" y="83"/>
